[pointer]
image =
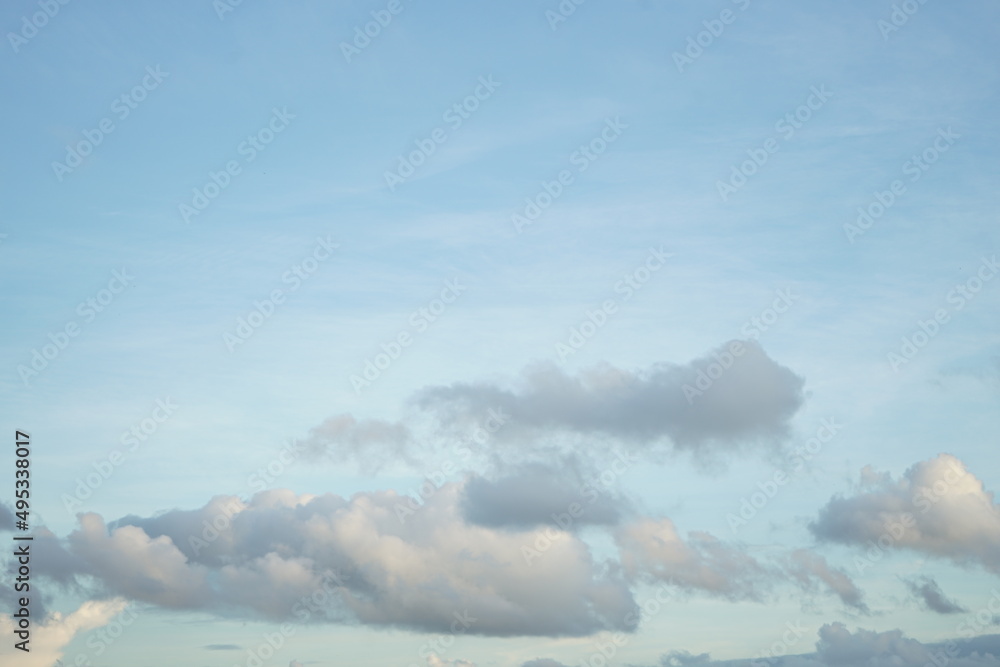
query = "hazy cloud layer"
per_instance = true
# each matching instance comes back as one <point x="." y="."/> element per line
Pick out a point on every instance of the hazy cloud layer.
<point x="937" y="507"/>
<point x="840" y="647"/>
<point x="373" y="443"/>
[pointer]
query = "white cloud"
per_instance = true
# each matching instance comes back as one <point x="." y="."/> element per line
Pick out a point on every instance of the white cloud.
<point x="937" y="507"/>
<point x="423" y="573"/>
<point x="50" y="636"/>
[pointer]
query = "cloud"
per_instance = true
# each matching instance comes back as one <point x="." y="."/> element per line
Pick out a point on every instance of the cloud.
<point x="373" y="442"/>
<point x="271" y="557"/>
<point x="51" y="635"/>
<point x="651" y="550"/>
<point x="537" y="494"/>
<point x="839" y="647"/>
<point x="928" y="591"/>
<point x="543" y="662"/>
<point x="753" y="399"/>
<point x="6" y="518"/>
<point x="937" y="507"/>
<point x="684" y="658"/>
<point x="434" y="661"/>
<point x="721" y="403"/>
<point x="806" y="567"/>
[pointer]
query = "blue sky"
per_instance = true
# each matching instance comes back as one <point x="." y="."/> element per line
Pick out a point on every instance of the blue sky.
<point x="237" y="155"/>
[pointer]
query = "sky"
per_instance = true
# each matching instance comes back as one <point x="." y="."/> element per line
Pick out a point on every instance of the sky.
<point x="522" y="334"/>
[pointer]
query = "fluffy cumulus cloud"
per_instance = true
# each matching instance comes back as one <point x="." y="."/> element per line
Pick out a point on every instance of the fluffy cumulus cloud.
<point x="937" y="507"/>
<point x="461" y="562"/>
<point x="326" y="558"/>
<point x="720" y="401"/>
<point x="50" y="635"/>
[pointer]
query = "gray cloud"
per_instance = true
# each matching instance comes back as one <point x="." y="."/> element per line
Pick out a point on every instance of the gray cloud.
<point x="537" y="494"/>
<point x="928" y="592"/>
<point x="937" y="507"/>
<point x="751" y="400"/>
<point x="6" y="518"/>
<point x="839" y="647"/>
<point x="806" y="567"/>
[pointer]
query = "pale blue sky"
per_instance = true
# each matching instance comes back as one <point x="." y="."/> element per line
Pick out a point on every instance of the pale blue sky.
<point x="323" y="177"/>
